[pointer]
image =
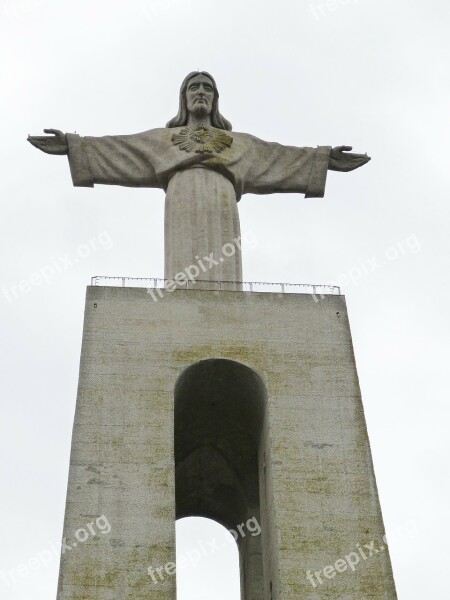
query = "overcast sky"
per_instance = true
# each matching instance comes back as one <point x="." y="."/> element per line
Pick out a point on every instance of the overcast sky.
<point x="370" y="73"/>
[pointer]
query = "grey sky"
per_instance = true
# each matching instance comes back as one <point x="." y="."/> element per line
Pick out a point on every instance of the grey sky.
<point x="371" y="73"/>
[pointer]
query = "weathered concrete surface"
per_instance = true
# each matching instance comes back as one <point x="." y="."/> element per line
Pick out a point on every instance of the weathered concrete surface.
<point x="301" y="437"/>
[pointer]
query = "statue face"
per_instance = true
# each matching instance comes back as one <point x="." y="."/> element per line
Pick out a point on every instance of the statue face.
<point x="200" y="95"/>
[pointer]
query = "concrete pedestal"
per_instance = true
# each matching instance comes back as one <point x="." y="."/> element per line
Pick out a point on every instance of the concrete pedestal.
<point x="228" y="405"/>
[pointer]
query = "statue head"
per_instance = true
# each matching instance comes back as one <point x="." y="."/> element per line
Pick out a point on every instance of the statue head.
<point x="187" y="104"/>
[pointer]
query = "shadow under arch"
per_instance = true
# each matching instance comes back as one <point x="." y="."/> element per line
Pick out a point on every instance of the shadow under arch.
<point x="220" y="408"/>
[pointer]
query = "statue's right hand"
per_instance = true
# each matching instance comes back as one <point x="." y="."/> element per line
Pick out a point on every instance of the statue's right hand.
<point x="51" y="144"/>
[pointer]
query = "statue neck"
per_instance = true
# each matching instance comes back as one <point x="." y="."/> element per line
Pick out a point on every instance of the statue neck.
<point x="195" y="120"/>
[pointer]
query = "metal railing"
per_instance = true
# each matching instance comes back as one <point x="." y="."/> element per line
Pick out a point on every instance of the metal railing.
<point x="246" y="286"/>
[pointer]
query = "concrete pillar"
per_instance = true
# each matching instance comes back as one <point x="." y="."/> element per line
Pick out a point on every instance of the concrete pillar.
<point x="222" y="404"/>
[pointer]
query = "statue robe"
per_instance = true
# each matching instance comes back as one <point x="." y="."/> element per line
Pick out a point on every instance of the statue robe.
<point x="202" y="188"/>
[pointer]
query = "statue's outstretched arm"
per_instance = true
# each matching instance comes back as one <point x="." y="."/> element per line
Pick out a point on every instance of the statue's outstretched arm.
<point x="110" y="159"/>
<point x="341" y="159"/>
<point x="51" y="144"/>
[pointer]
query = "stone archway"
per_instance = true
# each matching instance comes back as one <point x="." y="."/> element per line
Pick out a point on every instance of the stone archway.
<point x="219" y="415"/>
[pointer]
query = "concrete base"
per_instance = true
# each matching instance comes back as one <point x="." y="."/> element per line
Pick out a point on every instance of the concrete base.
<point x="228" y="405"/>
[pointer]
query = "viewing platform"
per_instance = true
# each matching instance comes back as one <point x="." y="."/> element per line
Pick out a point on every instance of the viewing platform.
<point x="244" y="286"/>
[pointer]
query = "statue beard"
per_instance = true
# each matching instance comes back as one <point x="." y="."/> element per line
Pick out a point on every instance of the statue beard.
<point x="201" y="109"/>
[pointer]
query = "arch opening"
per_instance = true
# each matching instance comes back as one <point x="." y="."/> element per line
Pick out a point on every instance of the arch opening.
<point x="207" y="560"/>
<point x="220" y="410"/>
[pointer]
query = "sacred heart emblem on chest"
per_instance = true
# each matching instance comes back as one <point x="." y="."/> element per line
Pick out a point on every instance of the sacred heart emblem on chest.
<point x="202" y="139"/>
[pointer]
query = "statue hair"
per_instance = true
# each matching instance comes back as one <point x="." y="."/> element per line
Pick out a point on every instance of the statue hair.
<point x="181" y="119"/>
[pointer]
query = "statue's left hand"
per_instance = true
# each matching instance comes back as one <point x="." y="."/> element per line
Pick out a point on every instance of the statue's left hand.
<point x="51" y="144"/>
<point x="341" y="159"/>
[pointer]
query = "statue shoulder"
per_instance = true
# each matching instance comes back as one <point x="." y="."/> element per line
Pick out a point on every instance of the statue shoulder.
<point x="153" y="133"/>
<point x="249" y="138"/>
<point x="149" y="138"/>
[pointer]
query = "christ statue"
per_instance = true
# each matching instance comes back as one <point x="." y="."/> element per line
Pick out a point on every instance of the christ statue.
<point x="204" y="170"/>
